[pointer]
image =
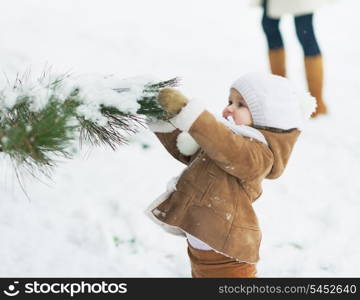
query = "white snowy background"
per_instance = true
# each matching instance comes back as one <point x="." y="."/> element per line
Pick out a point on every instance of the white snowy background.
<point x="89" y="221"/>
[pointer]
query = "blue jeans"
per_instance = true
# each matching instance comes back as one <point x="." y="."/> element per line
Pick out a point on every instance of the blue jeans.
<point x="304" y="31"/>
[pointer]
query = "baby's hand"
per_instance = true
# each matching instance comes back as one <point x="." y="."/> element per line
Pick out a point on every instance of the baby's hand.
<point x="172" y="101"/>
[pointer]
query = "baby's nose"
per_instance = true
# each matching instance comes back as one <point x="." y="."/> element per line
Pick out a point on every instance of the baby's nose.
<point x="230" y="108"/>
<point x="227" y="112"/>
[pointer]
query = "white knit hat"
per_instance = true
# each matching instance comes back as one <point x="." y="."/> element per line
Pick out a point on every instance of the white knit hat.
<point x="273" y="101"/>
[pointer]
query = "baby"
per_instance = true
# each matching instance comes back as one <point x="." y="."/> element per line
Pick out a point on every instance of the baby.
<point x="227" y="158"/>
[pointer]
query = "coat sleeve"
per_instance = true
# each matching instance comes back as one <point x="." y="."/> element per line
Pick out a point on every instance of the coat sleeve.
<point x="241" y="157"/>
<point x="169" y="140"/>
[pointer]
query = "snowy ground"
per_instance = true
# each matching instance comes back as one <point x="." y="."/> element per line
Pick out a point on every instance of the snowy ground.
<point x="89" y="221"/>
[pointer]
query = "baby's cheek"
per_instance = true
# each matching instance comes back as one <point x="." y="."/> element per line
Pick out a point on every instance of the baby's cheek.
<point x="238" y="120"/>
<point x="247" y="119"/>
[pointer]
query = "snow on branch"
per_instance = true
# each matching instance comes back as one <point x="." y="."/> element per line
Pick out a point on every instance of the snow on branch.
<point x="42" y="118"/>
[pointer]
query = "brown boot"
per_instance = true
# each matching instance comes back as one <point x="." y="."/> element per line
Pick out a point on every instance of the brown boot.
<point x="315" y="76"/>
<point x="277" y="62"/>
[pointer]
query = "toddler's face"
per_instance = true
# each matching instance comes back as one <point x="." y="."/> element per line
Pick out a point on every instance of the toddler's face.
<point x="237" y="109"/>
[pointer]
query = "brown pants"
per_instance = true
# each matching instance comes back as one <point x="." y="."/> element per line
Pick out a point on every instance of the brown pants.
<point x="207" y="264"/>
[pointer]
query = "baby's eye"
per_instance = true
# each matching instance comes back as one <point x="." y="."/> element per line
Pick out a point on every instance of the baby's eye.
<point x="240" y="104"/>
<point x="230" y="102"/>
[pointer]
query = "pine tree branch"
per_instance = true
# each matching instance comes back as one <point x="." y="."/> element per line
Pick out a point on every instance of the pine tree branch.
<point x="33" y="133"/>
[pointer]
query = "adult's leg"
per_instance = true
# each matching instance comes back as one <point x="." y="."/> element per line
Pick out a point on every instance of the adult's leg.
<point x="313" y="60"/>
<point x="275" y="43"/>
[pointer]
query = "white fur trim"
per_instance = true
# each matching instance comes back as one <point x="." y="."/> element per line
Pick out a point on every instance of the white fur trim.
<point x="186" y="144"/>
<point x="156" y="125"/>
<point x="200" y="245"/>
<point x="196" y="243"/>
<point x="187" y="115"/>
<point x="243" y="130"/>
<point x="168" y="228"/>
<point x="151" y="209"/>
